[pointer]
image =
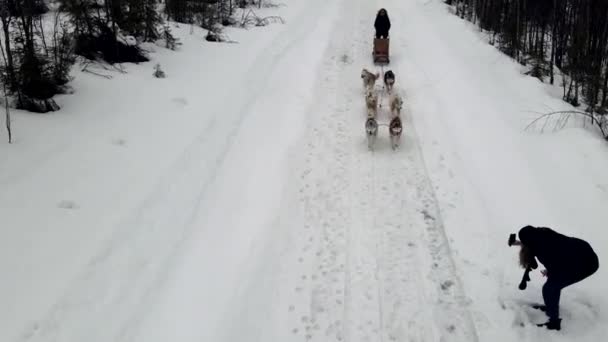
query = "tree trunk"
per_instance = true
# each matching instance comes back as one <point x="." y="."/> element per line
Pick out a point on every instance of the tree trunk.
<point x="6" y="105"/>
<point x="8" y="115"/>
<point x="605" y="88"/>
<point x="553" y="42"/>
<point x="6" y="22"/>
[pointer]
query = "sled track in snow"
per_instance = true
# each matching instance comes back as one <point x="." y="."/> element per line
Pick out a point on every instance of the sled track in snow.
<point x="376" y="261"/>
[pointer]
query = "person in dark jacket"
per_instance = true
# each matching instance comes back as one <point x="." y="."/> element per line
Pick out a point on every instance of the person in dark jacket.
<point x="567" y="260"/>
<point x="382" y="24"/>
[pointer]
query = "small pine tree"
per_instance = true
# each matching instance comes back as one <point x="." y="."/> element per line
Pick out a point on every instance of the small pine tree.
<point x="158" y="73"/>
<point x="171" y="42"/>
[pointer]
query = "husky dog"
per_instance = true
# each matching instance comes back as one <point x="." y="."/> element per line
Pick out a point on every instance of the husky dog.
<point x="369" y="79"/>
<point x="396" y="103"/>
<point x="371" y="102"/>
<point x="395" y="128"/>
<point x="389" y="80"/>
<point x="371" y="131"/>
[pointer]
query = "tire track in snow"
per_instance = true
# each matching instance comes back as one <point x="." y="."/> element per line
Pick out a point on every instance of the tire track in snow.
<point x="119" y="282"/>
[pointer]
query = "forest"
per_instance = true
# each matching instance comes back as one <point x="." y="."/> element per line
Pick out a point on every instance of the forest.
<point x="41" y="40"/>
<point x="564" y="41"/>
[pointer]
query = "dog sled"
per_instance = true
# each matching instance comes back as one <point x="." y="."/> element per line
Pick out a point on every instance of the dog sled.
<point x="380" y="51"/>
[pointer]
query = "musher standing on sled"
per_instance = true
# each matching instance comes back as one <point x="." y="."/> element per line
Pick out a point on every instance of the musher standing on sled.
<point x="567" y="261"/>
<point x="382" y="24"/>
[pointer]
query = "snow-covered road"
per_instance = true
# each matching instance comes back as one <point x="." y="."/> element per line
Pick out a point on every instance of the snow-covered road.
<point x="255" y="211"/>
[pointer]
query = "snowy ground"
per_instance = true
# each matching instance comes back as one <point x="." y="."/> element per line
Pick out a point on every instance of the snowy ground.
<point x="236" y="199"/>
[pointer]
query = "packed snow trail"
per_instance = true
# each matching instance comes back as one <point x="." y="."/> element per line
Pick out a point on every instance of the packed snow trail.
<point x="374" y="263"/>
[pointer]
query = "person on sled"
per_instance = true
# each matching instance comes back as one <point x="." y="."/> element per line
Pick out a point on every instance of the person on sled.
<point x="382" y="24"/>
<point x="567" y="261"/>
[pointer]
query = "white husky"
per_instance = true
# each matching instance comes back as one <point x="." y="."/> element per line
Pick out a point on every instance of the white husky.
<point x="369" y="79"/>
<point x="371" y="102"/>
<point x="396" y="103"/>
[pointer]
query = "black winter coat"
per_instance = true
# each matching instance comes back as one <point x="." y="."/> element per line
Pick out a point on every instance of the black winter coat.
<point x="382" y="24"/>
<point x="560" y="254"/>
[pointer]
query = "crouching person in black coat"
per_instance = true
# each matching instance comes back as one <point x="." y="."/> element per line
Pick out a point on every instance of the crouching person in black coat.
<point x="567" y="260"/>
<point x="382" y="24"/>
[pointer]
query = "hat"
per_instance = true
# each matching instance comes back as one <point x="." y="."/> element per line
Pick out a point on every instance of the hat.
<point x="526" y="234"/>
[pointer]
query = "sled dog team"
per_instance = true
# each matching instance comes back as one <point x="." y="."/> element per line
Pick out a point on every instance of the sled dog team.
<point x="372" y="103"/>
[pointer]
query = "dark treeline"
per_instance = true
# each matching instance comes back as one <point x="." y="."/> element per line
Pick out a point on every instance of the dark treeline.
<point x="206" y="13"/>
<point x="214" y="14"/>
<point x="571" y="35"/>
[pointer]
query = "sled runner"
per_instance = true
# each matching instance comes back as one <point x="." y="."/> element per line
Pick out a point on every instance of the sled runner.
<point x="380" y="51"/>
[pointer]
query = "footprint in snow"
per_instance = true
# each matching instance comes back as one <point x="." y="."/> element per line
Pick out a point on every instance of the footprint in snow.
<point x="182" y="102"/>
<point x="119" y="142"/>
<point x="427" y="216"/>
<point x="446" y="285"/>
<point x="66" y="204"/>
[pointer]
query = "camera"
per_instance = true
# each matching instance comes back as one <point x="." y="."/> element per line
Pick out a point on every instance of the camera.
<point x="512" y="240"/>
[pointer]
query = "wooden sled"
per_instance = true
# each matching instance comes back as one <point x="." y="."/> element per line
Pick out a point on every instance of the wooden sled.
<point x="380" y="51"/>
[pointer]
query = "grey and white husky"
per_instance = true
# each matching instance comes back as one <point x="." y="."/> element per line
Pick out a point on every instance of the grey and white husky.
<point x="371" y="131"/>
<point x="395" y="128"/>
